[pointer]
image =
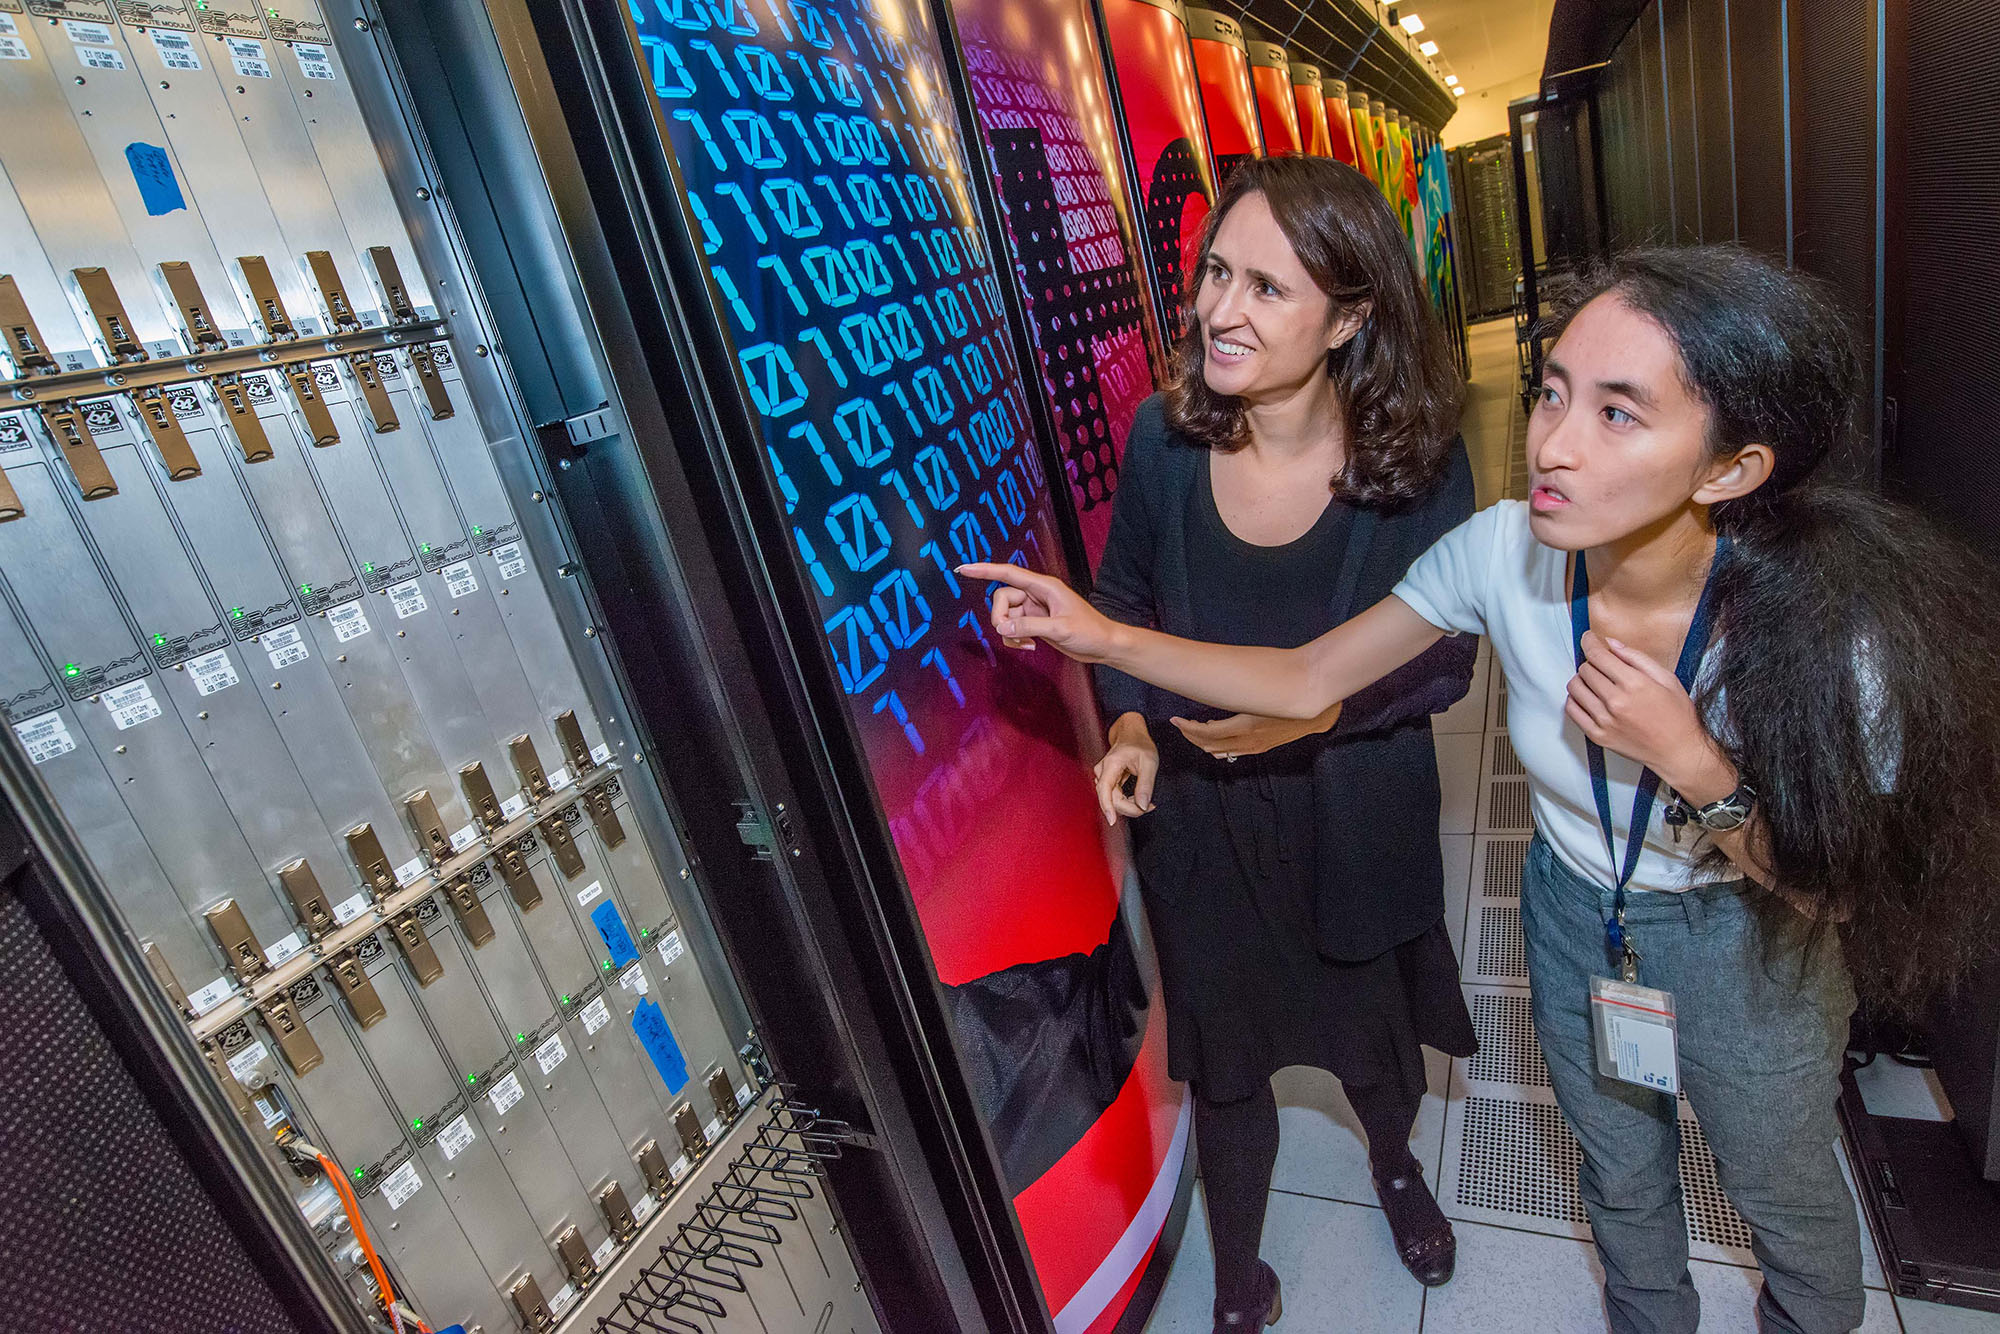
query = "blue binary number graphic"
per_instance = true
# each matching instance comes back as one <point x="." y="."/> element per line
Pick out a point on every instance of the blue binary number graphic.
<point x="828" y="184"/>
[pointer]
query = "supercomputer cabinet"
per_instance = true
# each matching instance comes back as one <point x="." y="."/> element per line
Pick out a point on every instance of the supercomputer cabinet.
<point x="1277" y="112"/>
<point x="1340" y="122"/>
<point x="1365" y="149"/>
<point x="1310" y="97"/>
<point x="1161" y="102"/>
<point x="1228" y="90"/>
<point x="483" y="485"/>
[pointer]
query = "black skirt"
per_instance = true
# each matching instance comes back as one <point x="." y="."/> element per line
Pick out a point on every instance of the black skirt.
<point x="1229" y="885"/>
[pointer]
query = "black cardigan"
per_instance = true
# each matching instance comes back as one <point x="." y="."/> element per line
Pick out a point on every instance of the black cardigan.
<point x="1380" y="871"/>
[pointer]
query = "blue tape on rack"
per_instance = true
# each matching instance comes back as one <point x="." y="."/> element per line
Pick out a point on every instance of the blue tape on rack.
<point x="616" y="938"/>
<point x="649" y="1022"/>
<point x="153" y="172"/>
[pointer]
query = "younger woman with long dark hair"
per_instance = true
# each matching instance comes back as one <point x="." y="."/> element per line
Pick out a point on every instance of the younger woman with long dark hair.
<point x="1302" y="458"/>
<point x="1826" y="770"/>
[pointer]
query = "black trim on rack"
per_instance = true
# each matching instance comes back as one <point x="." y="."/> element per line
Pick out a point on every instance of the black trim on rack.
<point x="694" y="619"/>
<point x="1531" y="300"/>
<point x="639" y="198"/>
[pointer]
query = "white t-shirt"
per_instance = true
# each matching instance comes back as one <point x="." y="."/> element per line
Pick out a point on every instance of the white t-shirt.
<point x="1490" y="576"/>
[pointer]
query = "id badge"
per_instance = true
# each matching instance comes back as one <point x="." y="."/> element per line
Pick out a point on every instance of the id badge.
<point x="1637" y="1040"/>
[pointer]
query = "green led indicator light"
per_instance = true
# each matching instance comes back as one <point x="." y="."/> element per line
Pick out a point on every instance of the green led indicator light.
<point x="424" y="547"/>
<point x="417" y="1124"/>
<point x="477" y="530"/>
<point x="360" y="1172"/>
<point x="607" y="965"/>
<point x="306" y="589"/>
<point x="472" y="1079"/>
<point x="71" y="669"/>
<point x="159" y="640"/>
<point x="520" y="1037"/>
<point x="236" y="613"/>
<point x="565" y="1000"/>
<point x="644" y="932"/>
<point x="367" y="567"/>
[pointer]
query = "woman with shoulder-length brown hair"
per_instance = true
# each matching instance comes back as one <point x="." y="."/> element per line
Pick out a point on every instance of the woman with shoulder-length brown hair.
<point x="1304" y="455"/>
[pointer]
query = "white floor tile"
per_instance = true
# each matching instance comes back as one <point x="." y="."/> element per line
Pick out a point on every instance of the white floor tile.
<point x="1335" y="1261"/>
<point x="1469" y="714"/>
<point x="1321" y="1150"/>
<point x="1339" y="1268"/>
<point x="1185" y="1302"/>
<point x="1511" y="1282"/>
<point x="1937" y="1318"/>
<point x="1458" y="780"/>
<point x="1729" y="1300"/>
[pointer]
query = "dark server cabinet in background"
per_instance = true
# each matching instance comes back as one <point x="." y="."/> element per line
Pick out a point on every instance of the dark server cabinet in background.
<point x="1487" y="226"/>
<point x="1755" y="122"/>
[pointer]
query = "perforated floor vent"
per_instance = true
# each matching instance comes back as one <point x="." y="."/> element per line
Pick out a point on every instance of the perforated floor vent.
<point x="1506" y="763"/>
<point x="1508" y="1052"/>
<point x="1507" y="806"/>
<point x="1502" y="953"/>
<point x="1504" y="859"/>
<point x="1519" y="1158"/>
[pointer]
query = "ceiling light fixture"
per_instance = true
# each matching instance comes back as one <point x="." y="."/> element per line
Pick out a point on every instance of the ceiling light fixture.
<point x="1458" y="92"/>
<point x="1451" y="81"/>
<point x="1428" y="48"/>
<point x="1412" y="24"/>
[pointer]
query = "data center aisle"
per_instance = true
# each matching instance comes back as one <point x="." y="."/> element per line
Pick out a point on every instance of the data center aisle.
<point x="1489" y="1135"/>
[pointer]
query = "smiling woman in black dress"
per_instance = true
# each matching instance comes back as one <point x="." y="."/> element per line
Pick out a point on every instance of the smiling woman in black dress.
<point x="1304" y="456"/>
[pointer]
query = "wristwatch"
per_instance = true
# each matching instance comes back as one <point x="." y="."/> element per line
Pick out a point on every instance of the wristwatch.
<point x="1719" y="817"/>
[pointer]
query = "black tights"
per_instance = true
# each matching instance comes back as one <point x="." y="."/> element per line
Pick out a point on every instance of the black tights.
<point x="1237" y="1144"/>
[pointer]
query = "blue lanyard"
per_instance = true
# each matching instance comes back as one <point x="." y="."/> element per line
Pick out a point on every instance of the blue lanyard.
<point x="1649" y="782"/>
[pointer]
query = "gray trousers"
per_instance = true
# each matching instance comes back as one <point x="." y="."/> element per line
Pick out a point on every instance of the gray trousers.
<point x="1761" y="1040"/>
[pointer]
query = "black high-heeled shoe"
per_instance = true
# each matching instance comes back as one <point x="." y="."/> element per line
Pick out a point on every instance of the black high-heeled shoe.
<point x="1425" y="1242"/>
<point x="1256" y="1317"/>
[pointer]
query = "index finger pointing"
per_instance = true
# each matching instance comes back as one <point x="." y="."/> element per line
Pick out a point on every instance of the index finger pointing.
<point x="1016" y="576"/>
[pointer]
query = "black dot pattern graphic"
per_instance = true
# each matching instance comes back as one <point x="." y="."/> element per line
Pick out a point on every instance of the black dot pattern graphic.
<point x="1073" y="311"/>
<point x="1176" y="179"/>
<point x="107" y="1229"/>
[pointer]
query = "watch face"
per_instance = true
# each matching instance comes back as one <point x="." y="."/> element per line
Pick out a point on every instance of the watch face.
<point x="1725" y="815"/>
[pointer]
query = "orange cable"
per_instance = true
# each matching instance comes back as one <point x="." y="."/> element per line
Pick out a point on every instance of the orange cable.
<point x="352" y="1207"/>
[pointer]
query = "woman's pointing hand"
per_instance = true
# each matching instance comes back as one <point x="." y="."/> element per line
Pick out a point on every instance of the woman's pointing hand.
<point x="1028" y="606"/>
